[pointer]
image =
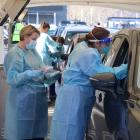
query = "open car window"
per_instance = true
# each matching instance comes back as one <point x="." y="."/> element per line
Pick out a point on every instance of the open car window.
<point x="112" y="53"/>
<point x="119" y="55"/>
<point x="122" y="54"/>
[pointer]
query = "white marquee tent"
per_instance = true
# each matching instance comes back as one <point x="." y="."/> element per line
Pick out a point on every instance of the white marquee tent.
<point x="11" y="8"/>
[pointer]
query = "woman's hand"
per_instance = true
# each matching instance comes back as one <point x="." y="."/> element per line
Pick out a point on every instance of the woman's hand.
<point x="47" y="69"/>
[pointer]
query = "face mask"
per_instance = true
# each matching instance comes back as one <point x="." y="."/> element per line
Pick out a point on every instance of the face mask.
<point x="31" y="45"/>
<point x="106" y="49"/>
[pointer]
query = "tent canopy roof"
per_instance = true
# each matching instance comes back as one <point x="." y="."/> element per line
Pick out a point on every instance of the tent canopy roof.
<point x="13" y="8"/>
<point x="133" y="5"/>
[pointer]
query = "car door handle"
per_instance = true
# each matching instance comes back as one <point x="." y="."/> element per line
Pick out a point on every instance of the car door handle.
<point x="131" y="103"/>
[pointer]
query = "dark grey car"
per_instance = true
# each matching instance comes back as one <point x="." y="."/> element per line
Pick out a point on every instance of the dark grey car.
<point x="125" y="49"/>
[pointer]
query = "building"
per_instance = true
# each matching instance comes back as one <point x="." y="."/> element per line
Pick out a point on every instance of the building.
<point x="51" y="14"/>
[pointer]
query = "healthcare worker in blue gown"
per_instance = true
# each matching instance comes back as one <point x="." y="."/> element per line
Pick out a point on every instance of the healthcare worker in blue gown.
<point x="26" y="105"/>
<point x="46" y="46"/>
<point x="76" y="97"/>
<point x="49" y="51"/>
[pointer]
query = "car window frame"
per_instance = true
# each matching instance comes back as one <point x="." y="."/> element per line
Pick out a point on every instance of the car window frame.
<point x="131" y="62"/>
<point x="137" y="63"/>
<point x="114" y="54"/>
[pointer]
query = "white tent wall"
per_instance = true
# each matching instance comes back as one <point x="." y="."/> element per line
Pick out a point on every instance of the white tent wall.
<point x="119" y="4"/>
<point x="94" y="14"/>
<point x="12" y="6"/>
<point x="108" y="8"/>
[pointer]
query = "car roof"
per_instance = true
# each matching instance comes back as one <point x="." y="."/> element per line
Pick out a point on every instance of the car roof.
<point x="78" y="28"/>
<point x="128" y="31"/>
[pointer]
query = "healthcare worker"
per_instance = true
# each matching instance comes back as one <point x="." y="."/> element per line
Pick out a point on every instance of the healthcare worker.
<point x="76" y="98"/>
<point x="16" y="31"/>
<point x="46" y="46"/>
<point x="57" y="64"/>
<point x="49" y="50"/>
<point x="26" y="105"/>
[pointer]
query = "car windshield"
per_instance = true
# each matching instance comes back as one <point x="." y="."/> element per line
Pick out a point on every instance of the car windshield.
<point x="52" y="32"/>
<point x="70" y="34"/>
<point x="64" y="23"/>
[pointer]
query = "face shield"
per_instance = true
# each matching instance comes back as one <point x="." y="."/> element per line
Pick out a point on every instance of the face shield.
<point x="106" y="40"/>
<point x="105" y="44"/>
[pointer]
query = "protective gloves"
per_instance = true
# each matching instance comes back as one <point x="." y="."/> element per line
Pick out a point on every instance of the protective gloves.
<point x="121" y="71"/>
<point x="33" y="73"/>
<point x="47" y="69"/>
<point x="51" y="77"/>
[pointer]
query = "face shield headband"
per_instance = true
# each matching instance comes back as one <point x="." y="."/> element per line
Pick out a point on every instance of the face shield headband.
<point x="104" y="40"/>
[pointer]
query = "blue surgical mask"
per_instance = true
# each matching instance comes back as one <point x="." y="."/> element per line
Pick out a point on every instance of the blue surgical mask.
<point x="105" y="50"/>
<point x="31" y="45"/>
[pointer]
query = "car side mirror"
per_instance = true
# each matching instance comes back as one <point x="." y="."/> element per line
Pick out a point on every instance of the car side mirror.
<point x="69" y="39"/>
<point x="104" y="82"/>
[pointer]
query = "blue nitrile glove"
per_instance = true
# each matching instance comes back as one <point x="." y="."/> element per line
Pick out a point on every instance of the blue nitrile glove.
<point x="121" y="71"/>
<point x="33" y="73"/>
<point x="51" y="77"/>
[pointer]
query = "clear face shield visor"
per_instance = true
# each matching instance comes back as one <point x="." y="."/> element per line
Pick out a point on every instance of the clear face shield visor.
<point x="107" y="40"/>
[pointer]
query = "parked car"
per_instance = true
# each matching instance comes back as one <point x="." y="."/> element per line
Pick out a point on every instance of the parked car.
<point x="78" y="22"/>
<point x="62" y="26"/>
<point x="72" y="30"/>
<point x="125" y="49"/>
<point x="113" y="31"/>
<point x="53" y="30"/>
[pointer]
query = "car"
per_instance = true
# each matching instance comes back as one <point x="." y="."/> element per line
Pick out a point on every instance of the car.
<point x="53" y="30"/>
<point x="125" y="49"/>
<point x="64" y="23"/>
<point x="72" y="30"/>
<point x="78" y="22"/>
<point x="62" y="26"/>
<point x="113" y="31"/>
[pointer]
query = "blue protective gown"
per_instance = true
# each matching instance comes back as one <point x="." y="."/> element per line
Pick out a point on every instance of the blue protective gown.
<point x="45" y="45"/>
<point x="26" y="105"/>
<point x="76" y="97"/>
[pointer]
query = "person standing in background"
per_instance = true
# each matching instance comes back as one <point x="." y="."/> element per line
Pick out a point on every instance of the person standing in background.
<point x="16" y="31"/>
<point x="48" y="49"/>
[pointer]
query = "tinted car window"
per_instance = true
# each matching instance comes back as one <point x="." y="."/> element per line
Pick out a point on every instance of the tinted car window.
<point x="122" y="54"/>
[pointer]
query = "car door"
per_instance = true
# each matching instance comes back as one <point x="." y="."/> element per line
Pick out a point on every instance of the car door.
<point x="133" y="102"/>
<point x="98" y="129"/>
